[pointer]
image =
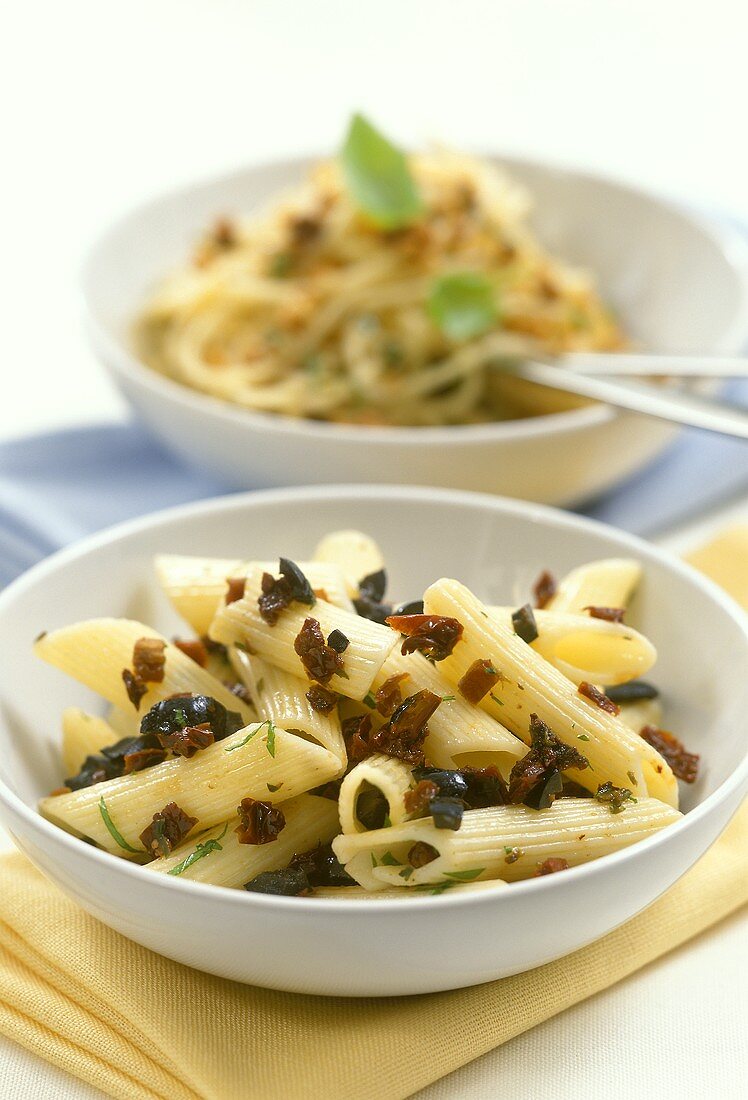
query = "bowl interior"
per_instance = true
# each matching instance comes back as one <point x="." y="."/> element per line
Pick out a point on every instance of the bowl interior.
<point x="674" y="281"/>
<point x="496" y="547"/>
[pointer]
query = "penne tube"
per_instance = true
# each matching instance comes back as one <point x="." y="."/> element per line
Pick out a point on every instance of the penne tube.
<point x="96" y="652"/>
<point x="530" y="684"/>
<point x="125" y="723"/>
<point x="259" y="761"/>
<point x="196" y="587"/>
<point x="83" y="735"/>
<point x="217" y="857"/>
<point x="356" y="554"/>
<point x="240" y="623"/>
<point x="282" y="697"/>
<point x="505" y="842"/>
<point x="586" y="648"/>
<point x="610" y="582"/>
<point x="459" y="733"/>
<point x="644" y="712"/>
<point x="379" y="778"/>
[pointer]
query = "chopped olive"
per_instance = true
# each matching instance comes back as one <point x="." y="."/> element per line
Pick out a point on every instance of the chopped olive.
<point x="451" y="784"/>
<point x="322" y="867"/>
<point x="415" y="607"/>
<point x="371" y="808"/>
<point x="632" y="692"/>
<point x="288" y="883"/>
<point x="338" y="641"/>
<point x="373" y="586"/>
<point x="541" y="796"/>
<point x="301" y="589"/>
<point x="523" y="621"/>
<point x="446" y="812"/>
<point x="95" y="769"/>
<point x="179" y="712"/>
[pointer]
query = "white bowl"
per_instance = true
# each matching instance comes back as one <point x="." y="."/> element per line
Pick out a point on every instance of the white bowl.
<point x="364" y="948"/>
<point x="678" y="283"/>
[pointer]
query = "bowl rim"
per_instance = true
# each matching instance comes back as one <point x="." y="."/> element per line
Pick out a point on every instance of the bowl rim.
<point x="122" y="360"/>
<point x="553" y="517"/>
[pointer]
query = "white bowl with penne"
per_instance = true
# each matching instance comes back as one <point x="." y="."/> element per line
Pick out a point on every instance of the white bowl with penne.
<point x="269" y="378"/>
<point x="367" y="741"/>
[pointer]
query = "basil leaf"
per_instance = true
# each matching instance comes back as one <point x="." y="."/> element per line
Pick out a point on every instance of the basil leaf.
<point x="462" y="305"/>
<point x="378" y="178"/>
<point x="114" y="831"/>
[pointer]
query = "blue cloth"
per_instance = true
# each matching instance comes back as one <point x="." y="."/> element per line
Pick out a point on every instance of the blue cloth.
<point x="59" y="487"/>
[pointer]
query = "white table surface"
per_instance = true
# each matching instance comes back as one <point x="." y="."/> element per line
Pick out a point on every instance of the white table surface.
<point x="107" y="103"/>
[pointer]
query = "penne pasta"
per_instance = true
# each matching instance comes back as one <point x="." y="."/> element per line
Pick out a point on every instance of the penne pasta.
<point x="586" y="648"/>
<point x="369" y="643"/>
<point x="356" y="554"/>
<point x="506" y="842"/>
<point x="196" y="586"/>
<point x="97" y="651"/>
<point x="644" y="712"/>
<point x="610" y="582"/>
<point x="459" y="733"/>
<point x="83" y="735"/>
<point x="282" y="697"/>
<point x="530" y="684"/>
<point x="377" y="787"/>
<point x="396" y="893"/>
<point x="218" y="857"/>
<point x="257" y="761"/>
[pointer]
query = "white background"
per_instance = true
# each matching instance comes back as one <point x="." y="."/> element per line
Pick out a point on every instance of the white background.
<point x="105" y="103"/>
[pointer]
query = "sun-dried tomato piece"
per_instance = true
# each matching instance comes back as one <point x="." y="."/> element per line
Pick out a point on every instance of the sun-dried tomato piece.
<point x="589" y="691"/>
<point x="551" y="866"/>
<point x="422" y="853"/>
<point x="168" y="829"/>
<point x="259" y="822"/>
<point x="403" y="736"/>
<point x="544" y="589"/>
<point x="141" y="759"/>
<point x="321" y="662"/>
<point x="194" y="648"/>
<point x="134" y="687"/>
<point x="389" y="695"/>
<point x="357" y="737"/>
<point x="547" y="755"/>
<point x="608" y="614"/>
<point x="148" y="660"/>
<point x="189" y="740"/>
<point x="322" y="700"/>
<point x="417" y="799"/>
<point x="235" y="589"/>
<point x="433" y="635"/>
<point x="478" y="681"/>
<point x="684" y="764"/>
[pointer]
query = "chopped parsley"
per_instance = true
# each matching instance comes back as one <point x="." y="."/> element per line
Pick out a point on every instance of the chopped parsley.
<point x="201" y="850"/>
<point x="114" y="831"/>
<point x="253" y="733"/>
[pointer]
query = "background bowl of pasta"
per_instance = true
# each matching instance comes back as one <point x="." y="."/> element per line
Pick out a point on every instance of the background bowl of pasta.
<point x="290" y="324"/>
<point x="450" y="885"/>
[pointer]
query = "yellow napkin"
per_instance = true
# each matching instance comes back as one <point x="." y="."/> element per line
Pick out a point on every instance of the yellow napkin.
<point x="138" y="1026"/>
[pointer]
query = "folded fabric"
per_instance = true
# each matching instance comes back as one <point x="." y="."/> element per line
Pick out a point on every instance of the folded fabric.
<point x="138" y="1026"/>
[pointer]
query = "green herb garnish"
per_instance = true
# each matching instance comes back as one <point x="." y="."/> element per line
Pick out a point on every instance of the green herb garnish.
<point x="465" y="876"/>
<point x="448" y="698"/>
<point x="407" y="872"/>
<point x="369" y="700"/>
<point x="270" y="739"/>
<point x="378" y="178"/>
<point x="582" y="737"/>
<point x="200" y="851"/>
<point x="250" y="735"/>
<point x="496" y="699"/>
<point x="388" y="860"/>
<point x="273" y="787"/>
<point x="281" y="265"/>
<point x="387" y="824"/>
<point x="462" y="305"/>
<point x="114" y="831"/>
